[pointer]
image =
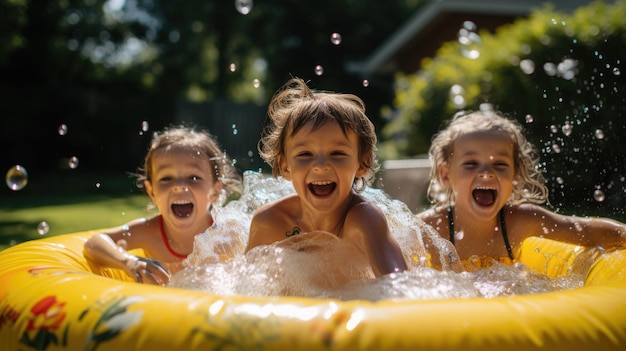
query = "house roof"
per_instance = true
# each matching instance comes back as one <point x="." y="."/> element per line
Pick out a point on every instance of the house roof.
<point x="439" y="21"/>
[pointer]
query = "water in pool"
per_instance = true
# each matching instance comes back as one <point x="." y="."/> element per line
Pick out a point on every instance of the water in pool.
<point x="319" y="265"/>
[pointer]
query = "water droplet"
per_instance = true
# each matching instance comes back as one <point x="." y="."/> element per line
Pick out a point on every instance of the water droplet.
<point x="232" y="67"/>
<point x="366" y="83"/>
<point x="559" y="180"/>
<point x="527" y="66"/>
<point x="556" y="148"/>
<point x="73" y="162"/>
<point x="319" y="70"/>
<point x="456" y="89"/>
<point x="17" y="178"/>
<point x="598" y="195"/>
<point x="256" y="83"/>
<point x="550" y="68"/>
<point x="599" y="134"/>
<point x="335" y="38"/>
<point x="243" y="6"/>
<point x="567" y="129"/>
<point x="62" y="129"/>
<point x="470" y="41"/>
<point x="145" y="126"/>
<point x="43" y="228"/>
<point x="616" y="71"/>
<point x="459" y="235"/>
<point x="553" y="128"/>
<point x="98" y="185"/>
<point x="470" y="26"/>
<point x="529" y="119"/>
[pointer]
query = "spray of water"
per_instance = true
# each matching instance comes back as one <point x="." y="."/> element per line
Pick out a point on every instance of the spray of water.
<point x="320" y="265"/>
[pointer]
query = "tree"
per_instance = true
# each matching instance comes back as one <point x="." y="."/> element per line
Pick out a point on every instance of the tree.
<point x="560" y="75"/>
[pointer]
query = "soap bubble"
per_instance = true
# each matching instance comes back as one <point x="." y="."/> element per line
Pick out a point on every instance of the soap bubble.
<point x="17" y="178"/>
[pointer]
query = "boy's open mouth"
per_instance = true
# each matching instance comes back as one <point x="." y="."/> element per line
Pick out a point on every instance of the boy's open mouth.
<point x="484" y="196"/>
<point x="182" y="208"/>
<point x="322" y="188"/>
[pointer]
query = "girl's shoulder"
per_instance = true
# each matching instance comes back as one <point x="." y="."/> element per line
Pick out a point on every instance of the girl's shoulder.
<point x="432" y="215"/>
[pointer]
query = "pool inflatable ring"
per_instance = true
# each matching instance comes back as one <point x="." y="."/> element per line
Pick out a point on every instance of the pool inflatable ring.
<point x="52" y="299"/>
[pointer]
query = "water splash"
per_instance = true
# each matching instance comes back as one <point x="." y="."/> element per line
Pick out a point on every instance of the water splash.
<point x="320" y="265"/>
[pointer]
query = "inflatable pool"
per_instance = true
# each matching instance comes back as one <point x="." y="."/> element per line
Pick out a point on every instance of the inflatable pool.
<point x="52" y="299"/>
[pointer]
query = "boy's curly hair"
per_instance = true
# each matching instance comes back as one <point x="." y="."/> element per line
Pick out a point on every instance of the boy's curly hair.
<point x="295" y="106"/>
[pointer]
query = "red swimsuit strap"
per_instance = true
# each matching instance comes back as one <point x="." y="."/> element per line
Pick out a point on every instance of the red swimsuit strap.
<point x="166" y="241"/>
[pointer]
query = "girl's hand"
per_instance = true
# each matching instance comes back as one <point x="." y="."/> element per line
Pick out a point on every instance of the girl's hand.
<point x="146" y="270"/>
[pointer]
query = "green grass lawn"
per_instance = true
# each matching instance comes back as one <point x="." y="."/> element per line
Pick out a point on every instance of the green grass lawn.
<point x="69" y="204"/>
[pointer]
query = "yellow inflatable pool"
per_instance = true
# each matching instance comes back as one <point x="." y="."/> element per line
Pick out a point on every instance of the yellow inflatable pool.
<point x="52" y="299"/>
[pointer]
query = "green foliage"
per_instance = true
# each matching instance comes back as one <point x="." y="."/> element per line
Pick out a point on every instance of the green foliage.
<point x="104" y="70"/>
<point x="555" y="69"/>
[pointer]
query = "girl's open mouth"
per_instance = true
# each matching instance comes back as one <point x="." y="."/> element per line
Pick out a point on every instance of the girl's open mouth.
<point x="182" y="209"/>
<point x="484" y="196"/>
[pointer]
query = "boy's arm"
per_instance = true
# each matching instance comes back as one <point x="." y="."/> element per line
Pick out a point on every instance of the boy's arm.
<point x="367" y="220"/>
<point x="101" y="249"/>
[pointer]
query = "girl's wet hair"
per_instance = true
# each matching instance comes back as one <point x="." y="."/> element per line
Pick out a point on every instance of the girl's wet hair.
<point x="295" y="106"/>
<point x="204" y="144"/>
<point x="529" y="183"/>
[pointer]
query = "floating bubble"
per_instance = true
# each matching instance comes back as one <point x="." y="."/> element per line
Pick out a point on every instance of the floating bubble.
<point x="243" y="6"/>
<point x="459" y="101"/>
<point x="527" y="66"/>
<point x="598" y="195"/>
<point x="256" y="83"/>
<point x="567" y="129"/>
<point x="366" y="83"/>
<point x="567" y="69"/>
<point x="319" y="70"/>
<point x="553" y="128"/>
<point x="72" y="163"/>
<point x="62" y="129"/>
<point x="335" y="38"/>
<point x="470" y="41"/>
<point x="469" y="25"/>
<point x="456" y="89"/>
<point x="486" y="107"/>
<point x="17" y="178"/>
<point x="599" y="134"/>
<point x="550" y="68"/>
<point x="145" y="126"/>
<point x="616" y="71"/>
<point x="529" y="119"/>
<point x="232" y="67"/>
<point x="559" y="180"/>
<point x="43" y="228"/>
<point x="459" y="235"/>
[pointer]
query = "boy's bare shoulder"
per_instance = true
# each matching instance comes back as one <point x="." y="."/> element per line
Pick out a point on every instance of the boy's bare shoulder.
<point x="276" y="207"/>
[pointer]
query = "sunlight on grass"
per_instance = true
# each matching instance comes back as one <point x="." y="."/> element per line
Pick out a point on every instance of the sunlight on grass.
<point x="18" y="225"/>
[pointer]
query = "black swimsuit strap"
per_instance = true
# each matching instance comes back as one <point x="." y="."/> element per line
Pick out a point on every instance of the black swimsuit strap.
<point x="505" y="236"/>
<point x="451" y="223"/>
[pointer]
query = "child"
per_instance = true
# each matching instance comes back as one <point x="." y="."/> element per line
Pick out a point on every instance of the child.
<point x="325" y="145"/>
<point x="184" y="172"/>
<point x="487" y="190"/>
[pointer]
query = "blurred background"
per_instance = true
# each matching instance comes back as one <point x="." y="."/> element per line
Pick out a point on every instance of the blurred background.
<point x="85" y="83"/>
